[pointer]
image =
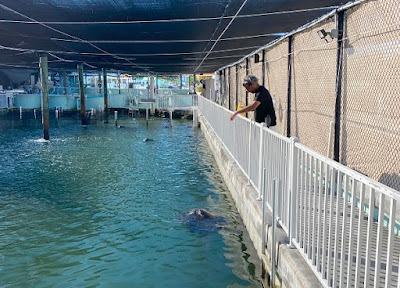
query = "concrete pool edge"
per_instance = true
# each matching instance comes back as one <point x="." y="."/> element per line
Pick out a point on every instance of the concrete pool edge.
<point x="292" y="270"/>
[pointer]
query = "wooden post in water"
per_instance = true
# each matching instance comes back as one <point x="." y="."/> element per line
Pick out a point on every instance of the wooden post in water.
<point x="105" y="89"/>
<point x="82" y="94"/>
<point x="44" y="74"/>
<point x="99" y="83"/>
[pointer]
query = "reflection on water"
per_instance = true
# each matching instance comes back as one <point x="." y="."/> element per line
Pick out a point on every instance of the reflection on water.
<point x="97" y="206"/>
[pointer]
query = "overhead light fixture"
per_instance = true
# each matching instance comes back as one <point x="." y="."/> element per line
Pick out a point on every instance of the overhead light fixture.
<point x="323" y="34"/>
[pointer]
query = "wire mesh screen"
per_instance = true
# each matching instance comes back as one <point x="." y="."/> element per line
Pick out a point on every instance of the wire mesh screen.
<point x="256" y="70"/>
<point x="232" y="87"/>
<point x="226" y="88"/>
<point x="313" y="87"/>
<point x="241" y="91"/>
<point x="276" y="81"/>
<point x="370" y="123"/>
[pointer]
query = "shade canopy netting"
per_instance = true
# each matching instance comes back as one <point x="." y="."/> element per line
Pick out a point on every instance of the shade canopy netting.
<point x="151" y="36"/>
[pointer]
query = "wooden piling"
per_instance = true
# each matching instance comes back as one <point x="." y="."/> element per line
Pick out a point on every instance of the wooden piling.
<point x="44" y="74"/>
<point x="82" y="94"/>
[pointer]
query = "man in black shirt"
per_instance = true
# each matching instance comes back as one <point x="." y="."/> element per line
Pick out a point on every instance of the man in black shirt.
<point x="262" y="106"/>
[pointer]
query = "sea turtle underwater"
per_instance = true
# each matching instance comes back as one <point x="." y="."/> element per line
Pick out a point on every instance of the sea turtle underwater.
<point x="201" y="221"/>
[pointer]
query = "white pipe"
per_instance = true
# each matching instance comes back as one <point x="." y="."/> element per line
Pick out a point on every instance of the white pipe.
<point x="34" y="114"/>
<point x="116" y="117"/>
<point x="20" y="112"/>
<point x="284" y="122"/>
<point x="170" y="118"/>
<point x="330" y="140"/>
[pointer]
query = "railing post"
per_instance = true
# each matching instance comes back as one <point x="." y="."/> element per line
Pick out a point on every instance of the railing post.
<point x="249" y="157"/>
<point x="264" y="208"/>
<point x="260" y="164"/>
<point x="292" y="189"/>
<point x="273" y="242"/>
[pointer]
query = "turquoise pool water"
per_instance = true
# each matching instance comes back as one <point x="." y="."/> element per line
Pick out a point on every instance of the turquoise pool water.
<point x="98" y="207"/>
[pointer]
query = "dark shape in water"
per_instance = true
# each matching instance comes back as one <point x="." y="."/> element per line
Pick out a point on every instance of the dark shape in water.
<point x="201" y="221"/>
<point x="147" y="140"/>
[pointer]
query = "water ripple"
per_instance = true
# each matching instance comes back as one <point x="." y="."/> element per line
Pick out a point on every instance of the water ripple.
<point x="97" y="206"/>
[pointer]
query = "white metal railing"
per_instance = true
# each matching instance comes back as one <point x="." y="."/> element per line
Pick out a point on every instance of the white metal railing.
<point x="342" y="222"/>
<point x="176" y="101"/>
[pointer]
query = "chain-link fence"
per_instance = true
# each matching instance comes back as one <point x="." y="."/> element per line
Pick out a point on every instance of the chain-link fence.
<point x="370" y="122"/>
<point x="276" y="81"/>
<point x="351" y="82"/>
<point x="242" y="100"/>
<point x="313" y="87"/>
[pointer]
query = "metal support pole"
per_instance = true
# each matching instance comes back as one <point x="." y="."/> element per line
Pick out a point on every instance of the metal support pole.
<point x="170" y="119"/>
<point x="20" y="112"/>
<point x="151" y="94"/>
<point x="82" y="94"/>
<point x="330" y="139"/>
<point x="105" y="91"/>
<point x="247" y="93"/>
<point x="339" y="70"/>
<point x="293" y="189"/>
<point x="289" y="90"/>
<point x="264" y="209"/>
<point x="119" y="81"/>
<point x="273" y="240"/>
<point x="44" y="74"/>
<point x="116" y="118"/>
<point x="260" y="165"/>
<point x="229" y="89"/>
<point x="180" y="81"/>
<point x="151" y="87"/>
<point x="237" y="87"/>
<point x="263" y="68"/>
<point x="34" y="114"/>
<point x="284" y="122"/>
<point x="99" y="83"/>
<point x="249" y="157"/>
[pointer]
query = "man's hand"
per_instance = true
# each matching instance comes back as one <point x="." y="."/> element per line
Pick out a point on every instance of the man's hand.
<point x="233" y="116"/>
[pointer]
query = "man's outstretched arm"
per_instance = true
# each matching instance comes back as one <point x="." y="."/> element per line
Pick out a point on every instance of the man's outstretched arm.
<point x="248" y="108"/>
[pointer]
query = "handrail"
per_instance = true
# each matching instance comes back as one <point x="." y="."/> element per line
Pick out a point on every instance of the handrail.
<point x="336" y="217"/>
